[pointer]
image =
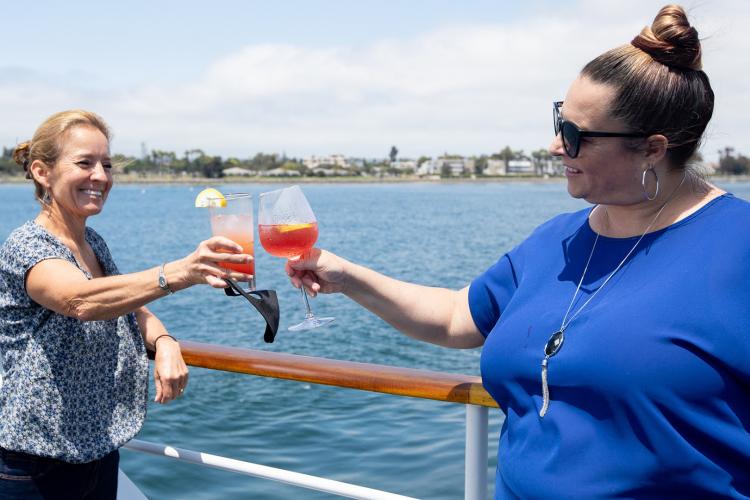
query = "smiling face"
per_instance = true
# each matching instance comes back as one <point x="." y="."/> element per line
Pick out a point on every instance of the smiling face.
<point x="606" y="170"/>
<point x="82" y="177"/>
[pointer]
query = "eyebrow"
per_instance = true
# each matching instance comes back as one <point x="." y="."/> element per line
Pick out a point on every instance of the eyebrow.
<point x="90" y="155"/>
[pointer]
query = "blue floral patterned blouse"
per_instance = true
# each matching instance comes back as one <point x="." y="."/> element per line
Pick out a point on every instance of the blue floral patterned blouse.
<point x="72" y="390"/>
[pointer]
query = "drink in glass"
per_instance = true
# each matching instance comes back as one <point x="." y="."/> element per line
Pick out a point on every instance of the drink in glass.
<point x="233" y="219"/>
<point x="287" y="228"/>
<point x="288" y="240"/>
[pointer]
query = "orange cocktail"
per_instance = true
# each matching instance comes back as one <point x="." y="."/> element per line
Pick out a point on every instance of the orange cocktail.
<point x="288" y="240"/>
<point x="238" y="229"/>
<point x="233" y="219"/>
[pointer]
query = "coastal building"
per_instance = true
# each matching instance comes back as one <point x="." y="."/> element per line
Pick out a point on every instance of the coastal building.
<point x="335" y="160"/>
<point x="404" y="165"/>
<point x="450" y="166"/>
<point x="522" y="166"/>
<point x="238" y="171"/>
<point x="495" y="167"/>
<point x="281" y="172"/>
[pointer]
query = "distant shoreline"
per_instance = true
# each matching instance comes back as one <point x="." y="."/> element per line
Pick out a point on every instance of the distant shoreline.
<point x="202" y="181"/>
<point x="128" y="179"/>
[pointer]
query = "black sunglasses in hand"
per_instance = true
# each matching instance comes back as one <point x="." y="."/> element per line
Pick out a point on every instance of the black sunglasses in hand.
<point x="266" y="303"/>
<point x="571" y="134"/>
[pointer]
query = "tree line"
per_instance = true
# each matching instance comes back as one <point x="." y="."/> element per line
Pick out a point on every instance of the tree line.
<point x="729" y="164"/>
<point x="196" y="163"/>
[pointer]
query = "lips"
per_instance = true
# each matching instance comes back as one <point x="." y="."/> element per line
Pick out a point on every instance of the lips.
<point x="571" y="170"/>
<point x="93" y="192"/>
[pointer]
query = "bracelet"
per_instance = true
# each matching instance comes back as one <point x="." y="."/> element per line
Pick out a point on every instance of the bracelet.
<point x="163" y="335"/>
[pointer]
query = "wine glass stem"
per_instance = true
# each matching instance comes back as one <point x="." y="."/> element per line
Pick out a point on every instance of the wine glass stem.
<point x="308" y="311"/>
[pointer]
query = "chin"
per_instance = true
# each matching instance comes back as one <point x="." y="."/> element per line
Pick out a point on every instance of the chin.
<point x="576" y="193"/>
<point x="90" y="210"/>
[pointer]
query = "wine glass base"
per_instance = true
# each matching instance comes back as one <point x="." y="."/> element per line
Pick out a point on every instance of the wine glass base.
<point x="310" y="323"/>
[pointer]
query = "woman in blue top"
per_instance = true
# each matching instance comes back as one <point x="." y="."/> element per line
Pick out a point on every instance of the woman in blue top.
<point x="74" y="331"/>
<point x="616" y="338"/>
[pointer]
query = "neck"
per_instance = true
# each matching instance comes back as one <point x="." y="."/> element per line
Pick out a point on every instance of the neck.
<point x="621" y="221"/>
<point x="65" y="227"/>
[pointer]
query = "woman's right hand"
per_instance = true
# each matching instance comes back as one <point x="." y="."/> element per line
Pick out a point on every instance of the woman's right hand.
<point x="319" y="271"/>
<point x="202" y="266"/>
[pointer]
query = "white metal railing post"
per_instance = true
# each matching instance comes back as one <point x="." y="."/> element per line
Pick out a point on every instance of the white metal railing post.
<point x="475" y="473"/>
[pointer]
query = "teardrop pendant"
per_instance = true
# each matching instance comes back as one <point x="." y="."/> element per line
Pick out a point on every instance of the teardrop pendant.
<point x="554" y="343"/>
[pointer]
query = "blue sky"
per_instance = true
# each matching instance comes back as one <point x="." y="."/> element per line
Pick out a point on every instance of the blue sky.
<point x="316" y="77"/>
<point x="173" y="40"/>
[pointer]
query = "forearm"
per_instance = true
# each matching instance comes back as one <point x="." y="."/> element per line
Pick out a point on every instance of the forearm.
<point x="151" y="327"/>
<point x="170" y="371"/>
<point x="425" y="313"/>
<point x="113" y="296"/>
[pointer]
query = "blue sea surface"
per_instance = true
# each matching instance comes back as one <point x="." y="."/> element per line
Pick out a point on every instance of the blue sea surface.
<point x="441" y="234"/>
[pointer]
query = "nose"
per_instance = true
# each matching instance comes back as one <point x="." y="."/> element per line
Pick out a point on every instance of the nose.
<point x="99" y="173"/>
<point x="556" y="147"/>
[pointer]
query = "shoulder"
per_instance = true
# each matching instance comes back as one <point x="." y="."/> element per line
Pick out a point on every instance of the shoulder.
<point x="560" y="227"/>
<point x="729" y="204"/>
<point x="29" y="237"/>
<point x="30" y="244"/>
<point x="544" y="242"/>
<point x="726" y="217"/>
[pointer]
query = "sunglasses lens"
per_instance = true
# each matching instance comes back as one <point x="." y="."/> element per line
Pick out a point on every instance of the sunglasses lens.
<point x="556" y="119"/>
<point x="571" y="139"/>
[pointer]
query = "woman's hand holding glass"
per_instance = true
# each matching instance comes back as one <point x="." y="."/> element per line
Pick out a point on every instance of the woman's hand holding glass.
<point x="204" y="264"/>
<point x="319" y="271"/>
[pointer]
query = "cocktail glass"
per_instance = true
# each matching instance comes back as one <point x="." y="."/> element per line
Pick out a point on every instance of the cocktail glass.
<point x="287" y="228"/>
<point x="233" y="219"/>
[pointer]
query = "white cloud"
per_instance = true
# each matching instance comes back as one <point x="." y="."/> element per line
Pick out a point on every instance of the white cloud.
<point x="469" y="89"/>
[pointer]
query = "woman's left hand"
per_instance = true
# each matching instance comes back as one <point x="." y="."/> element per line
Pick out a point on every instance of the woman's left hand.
<point x="170" y="371"/>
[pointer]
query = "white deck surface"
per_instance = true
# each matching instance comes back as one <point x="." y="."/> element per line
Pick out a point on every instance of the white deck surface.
<point x="127" y="490"/>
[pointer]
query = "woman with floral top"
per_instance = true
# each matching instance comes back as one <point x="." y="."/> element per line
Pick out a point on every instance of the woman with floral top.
<point x="74" y="331"/>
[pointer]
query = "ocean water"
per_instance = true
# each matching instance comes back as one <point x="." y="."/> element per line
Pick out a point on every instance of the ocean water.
<point x="434" y="234"/>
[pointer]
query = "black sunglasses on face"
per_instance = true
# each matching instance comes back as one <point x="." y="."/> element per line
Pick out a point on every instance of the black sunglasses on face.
<point x="571" y="134"/>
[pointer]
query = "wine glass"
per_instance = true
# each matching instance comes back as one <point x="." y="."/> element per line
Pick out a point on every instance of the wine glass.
<point x="287" y="228"/>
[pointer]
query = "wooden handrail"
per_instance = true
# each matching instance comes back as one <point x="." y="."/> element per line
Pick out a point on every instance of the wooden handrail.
<point x="424" y="384"/>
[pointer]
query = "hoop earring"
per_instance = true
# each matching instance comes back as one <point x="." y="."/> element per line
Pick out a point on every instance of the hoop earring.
<point x="643" y="183"/>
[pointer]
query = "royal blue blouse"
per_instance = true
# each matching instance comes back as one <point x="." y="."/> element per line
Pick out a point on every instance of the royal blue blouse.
<point x="650" y="391"/>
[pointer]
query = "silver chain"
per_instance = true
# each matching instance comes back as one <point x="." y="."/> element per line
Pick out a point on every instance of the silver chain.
<point x="558" y="337"/>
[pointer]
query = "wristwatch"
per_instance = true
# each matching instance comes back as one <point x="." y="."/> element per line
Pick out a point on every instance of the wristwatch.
<point x="163" y="281"/>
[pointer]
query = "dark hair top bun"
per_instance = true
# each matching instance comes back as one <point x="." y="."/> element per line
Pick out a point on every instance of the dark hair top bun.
<point x="671" y="40"/>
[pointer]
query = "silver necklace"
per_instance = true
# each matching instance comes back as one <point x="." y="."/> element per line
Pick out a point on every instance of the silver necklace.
<point x="556" y="340"/>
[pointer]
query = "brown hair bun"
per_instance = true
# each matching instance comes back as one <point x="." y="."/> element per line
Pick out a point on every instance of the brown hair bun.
<point x="21" y="156"/>
<point x="671" y="40"/>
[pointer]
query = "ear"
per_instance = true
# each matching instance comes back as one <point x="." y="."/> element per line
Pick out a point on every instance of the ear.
<point x="656" y="148"/>
<point x="40" y="173"/>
